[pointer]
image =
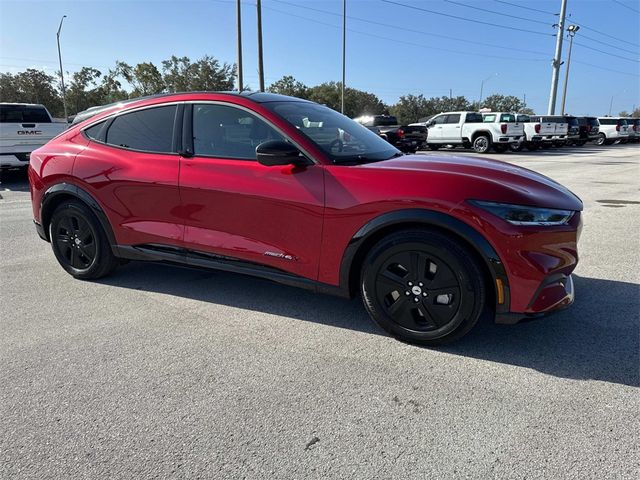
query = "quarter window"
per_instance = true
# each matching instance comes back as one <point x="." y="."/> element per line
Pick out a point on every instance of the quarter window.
<point x="149" y="130"/>
<point x="229" y="132"/>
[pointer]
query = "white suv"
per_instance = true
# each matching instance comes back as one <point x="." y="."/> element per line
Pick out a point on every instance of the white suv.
<point x="612" y="130"/>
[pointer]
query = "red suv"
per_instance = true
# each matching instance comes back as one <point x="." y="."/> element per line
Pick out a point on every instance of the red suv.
<point x="292" y="191"/>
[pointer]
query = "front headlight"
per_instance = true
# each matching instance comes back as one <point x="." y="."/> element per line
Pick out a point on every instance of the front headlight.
<point x="524" y="214"/>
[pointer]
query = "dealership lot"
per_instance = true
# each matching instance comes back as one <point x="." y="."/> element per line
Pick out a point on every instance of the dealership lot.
<point x="160" y="371"/>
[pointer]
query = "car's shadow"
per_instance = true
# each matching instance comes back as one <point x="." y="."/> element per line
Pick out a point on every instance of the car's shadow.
<point x="14" y="180"/>
<point x="598" y="338"/>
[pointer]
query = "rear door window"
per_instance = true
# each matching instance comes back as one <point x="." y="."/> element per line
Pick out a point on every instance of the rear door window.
<point x="148" y="130"/>
<point x="474" y="118"/>
<point x="453" y="118"/>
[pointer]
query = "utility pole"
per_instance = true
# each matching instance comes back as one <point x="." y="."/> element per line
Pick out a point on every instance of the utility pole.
<point x="260" y="64"/>
<point x="482" y="87"/>
<point x="572" y="33"/>
<point x="450" y="94"/>
<point x="555" y="73"/>
<point x="239" y="47"/>
<point x="64" y="93"/>
<point x="610" y="105"/>
<point x="344" y="50"/>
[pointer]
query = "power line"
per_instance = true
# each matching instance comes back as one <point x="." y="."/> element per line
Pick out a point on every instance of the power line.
<point x="404" y="29"/>
<point x="583" y="25"/>
<point x="591" y="47"/>
<point x="608" y="44"/>
<point x="395" y="40"/>
<point x="467" y="19"/>
<point x="607" y="69"/>
<point x="497" y="13"/>
<point x="526" y="8"/>
<point x="626" y="6"/>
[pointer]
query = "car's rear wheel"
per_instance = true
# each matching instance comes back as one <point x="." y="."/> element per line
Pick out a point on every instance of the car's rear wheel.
<point x="481" y="144"/>
<point x="422" y="287"/>
<point x="79" y="242"/>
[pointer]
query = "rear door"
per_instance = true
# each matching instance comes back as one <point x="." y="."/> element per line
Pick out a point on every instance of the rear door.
<point x="131" y="167"/>
<point x="451" y="128"/>
<point x="236" y="207"/>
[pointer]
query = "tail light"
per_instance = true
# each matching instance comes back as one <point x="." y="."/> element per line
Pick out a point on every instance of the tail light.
<point x="503" y="128"/>
<point x="537" y="128"/>
<point x="400" y="133"/>
<point x="617" y="127"/>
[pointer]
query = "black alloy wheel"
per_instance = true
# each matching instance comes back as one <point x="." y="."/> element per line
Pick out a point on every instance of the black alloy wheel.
<point x="422" y="287"/>
<point x="79" y="243"/>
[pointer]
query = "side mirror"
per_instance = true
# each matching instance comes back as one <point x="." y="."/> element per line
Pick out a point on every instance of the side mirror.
<point x="279" y="152"/>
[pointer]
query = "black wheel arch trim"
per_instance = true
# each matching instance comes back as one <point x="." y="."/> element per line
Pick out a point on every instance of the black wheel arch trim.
<point x="70" y="189"/>
<point x="442" y="221"/>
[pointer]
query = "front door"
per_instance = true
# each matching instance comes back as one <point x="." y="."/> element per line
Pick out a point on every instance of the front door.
<point x="234" y="206"/>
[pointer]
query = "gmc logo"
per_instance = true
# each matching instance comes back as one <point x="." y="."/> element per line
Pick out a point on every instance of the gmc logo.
<point x="29" y="132"/>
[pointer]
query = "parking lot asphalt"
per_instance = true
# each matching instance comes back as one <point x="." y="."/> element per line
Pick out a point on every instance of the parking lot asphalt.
<point x="165" y="372"/>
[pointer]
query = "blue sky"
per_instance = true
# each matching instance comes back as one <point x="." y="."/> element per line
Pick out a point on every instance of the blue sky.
<point x="391" y="49"/>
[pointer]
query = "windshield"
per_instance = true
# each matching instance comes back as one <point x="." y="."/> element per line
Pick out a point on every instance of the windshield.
<point x="342" y="139"/>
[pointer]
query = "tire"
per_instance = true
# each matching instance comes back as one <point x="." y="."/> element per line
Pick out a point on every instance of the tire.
<point x="433" y="146"/>
<point x="499" y="148"/>
<point x="481" y="144"/>
<point x="422" y="287"/>
<point x="516" y="147"/>
<point x="79" y="242"/>
<point x="601" y="140"/>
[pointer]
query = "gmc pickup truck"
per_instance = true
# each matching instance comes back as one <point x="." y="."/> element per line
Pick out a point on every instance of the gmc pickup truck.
<point x="470" y="130"/>
<point x="406" y="138"/>
<point x="24" y="127"/>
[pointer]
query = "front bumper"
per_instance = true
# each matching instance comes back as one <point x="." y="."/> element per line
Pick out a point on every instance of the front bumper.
<point x="554" y="294"/>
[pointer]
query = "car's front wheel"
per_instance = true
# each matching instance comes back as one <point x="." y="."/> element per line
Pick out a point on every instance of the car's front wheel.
<point x="79" y="242"/>
<point x="422" y="287"/>
<point x="601" y="139"/>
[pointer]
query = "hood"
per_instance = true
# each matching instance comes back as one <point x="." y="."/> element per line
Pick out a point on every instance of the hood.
<point x="490" y="180"/>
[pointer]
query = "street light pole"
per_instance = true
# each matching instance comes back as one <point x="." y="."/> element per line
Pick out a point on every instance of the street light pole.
<point x="555" y="72"/>
<point x="572" y="33"/>
<point x="239" y="20"/>
<point x="482" y="87"/>
<point x="344" y="50"/>
<point x="64" y="93"/>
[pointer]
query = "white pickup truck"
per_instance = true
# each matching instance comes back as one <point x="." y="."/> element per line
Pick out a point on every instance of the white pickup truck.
<point x="470" y="130"/>
<point x="24" y="127"/>
<point x="547" y="130"/>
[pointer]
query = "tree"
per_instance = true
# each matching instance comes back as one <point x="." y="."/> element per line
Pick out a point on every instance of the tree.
<point x="356" y="102"/>
<point x="636" y="113"/>
<point x="31" y="86"/>
<point x="84" y="90"/>
<point x="288" y="85"/>
<point x="145" y="78"/>
<point x="624" y="113"/>
<point x="181" y="75"/>
<point x="410" y="108"/>
<point x="502" y="103"/>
